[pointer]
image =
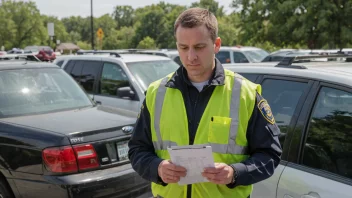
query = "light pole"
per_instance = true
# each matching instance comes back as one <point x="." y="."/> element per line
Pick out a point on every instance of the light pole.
<point x="91" y="22"/>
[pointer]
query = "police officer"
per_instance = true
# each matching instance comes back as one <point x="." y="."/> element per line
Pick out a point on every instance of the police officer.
<point x="203" y="103"/>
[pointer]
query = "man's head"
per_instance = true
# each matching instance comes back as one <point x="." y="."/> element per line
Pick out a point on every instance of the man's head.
<point x="196" y="33"/>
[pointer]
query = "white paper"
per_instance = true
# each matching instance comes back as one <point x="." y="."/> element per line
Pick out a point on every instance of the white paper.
<point x="194" y="158"/>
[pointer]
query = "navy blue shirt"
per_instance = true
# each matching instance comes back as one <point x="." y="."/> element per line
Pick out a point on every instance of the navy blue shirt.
<point x="262" y="136"/>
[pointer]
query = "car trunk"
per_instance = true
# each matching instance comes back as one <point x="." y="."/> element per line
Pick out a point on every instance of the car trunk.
<point x="104" y="128"/>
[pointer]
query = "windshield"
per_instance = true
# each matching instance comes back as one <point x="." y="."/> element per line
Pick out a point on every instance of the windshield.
<point x="256" y="56"/>
<point x="37" y="91"/>
<point x="148" y="72"/>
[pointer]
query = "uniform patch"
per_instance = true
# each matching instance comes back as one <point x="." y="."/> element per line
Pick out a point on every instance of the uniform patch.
<point x="266" y="111"/>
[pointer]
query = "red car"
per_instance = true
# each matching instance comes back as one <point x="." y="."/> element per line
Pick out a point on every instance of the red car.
<point x="45" y="53"/>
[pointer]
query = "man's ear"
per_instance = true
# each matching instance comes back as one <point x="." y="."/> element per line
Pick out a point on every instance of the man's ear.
<point x="217" y="45"/>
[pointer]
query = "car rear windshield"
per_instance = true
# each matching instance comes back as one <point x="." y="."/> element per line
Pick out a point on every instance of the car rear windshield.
<point x="256" y="56"/>
<point x="37" y="91"/>
<point x="148" y="72"/>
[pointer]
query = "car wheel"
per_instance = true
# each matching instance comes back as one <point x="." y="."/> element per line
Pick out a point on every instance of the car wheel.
<point x="5" y="191"/>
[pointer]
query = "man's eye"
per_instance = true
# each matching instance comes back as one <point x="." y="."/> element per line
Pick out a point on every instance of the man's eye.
<point x="199" y="47"/>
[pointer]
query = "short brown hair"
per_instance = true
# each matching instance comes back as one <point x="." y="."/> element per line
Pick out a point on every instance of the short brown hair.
<point x="195" y="17"/>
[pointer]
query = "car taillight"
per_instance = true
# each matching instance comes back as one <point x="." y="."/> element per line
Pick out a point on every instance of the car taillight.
<point x="86" y="156"/>
<point x="60" y="159"/>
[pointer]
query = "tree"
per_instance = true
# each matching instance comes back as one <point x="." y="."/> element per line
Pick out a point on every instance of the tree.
<point x="211" y="5"/>
<point x="228" y="29"/>
<point x="314" y="23"/>
<point x="59" y="28"/>
<point x="119" y="39"/>
<point x="151" y="23"/>
<point x="79" y="25"/>
<point x="166" y="37"/>
<point x="74" y="37"/>
<point x="147" y="43"/>
<point x="27" y="23"/>
<point x="124" y="16"/>
<point x="7" y="31"/>
<point x="106" y="23"/>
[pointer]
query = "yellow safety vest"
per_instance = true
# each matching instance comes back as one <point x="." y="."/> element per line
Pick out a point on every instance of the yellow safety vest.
<point x="223" y="126"/>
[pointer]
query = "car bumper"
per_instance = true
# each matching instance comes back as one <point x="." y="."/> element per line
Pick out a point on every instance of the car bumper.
<point x="116" y="182"/>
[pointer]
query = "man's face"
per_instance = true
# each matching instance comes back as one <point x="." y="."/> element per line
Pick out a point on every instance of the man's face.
<point x="197" y="50"/>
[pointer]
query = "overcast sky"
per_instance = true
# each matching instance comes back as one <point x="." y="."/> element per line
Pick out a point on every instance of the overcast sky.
<point x="64" y="8"/>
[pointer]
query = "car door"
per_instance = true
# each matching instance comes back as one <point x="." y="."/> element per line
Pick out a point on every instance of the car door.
<point x="285" y="97"/>
<point x="112" y="79"/>
<point x="322" y="167"/>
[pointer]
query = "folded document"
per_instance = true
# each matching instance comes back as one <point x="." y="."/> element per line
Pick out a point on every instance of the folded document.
<point x="194" y="158"/>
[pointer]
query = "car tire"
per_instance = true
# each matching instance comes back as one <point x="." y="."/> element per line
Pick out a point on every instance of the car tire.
<point x="5" y="191"/>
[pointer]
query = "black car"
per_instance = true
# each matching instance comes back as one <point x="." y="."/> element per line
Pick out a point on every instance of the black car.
<point x="55" y="142"/>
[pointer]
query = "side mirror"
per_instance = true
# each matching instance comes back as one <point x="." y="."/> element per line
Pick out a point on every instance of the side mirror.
<point x="125" y="92"/>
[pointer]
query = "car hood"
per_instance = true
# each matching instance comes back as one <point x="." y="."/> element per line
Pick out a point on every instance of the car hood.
<point x="76" y="121"/>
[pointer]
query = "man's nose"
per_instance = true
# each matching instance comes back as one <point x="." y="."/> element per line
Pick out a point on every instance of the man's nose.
<point x="191" y="55"/>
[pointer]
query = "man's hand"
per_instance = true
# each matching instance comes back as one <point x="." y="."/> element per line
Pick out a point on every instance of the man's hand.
<point x="170" y="173"/>
<point x="221" y="174"/>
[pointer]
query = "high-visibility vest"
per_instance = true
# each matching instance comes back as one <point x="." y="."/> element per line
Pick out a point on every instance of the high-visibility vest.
<point x="223" y="126"/>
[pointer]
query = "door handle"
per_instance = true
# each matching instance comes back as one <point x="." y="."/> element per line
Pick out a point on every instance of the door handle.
<point x="307" y="196"/>
<point x="311" y="195"/>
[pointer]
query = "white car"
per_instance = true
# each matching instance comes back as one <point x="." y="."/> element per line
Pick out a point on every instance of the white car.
<point x="118" y="81"/>
<point x="239" y="54"/>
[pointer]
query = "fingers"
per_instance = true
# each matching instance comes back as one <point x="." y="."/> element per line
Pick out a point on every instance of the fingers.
<point x="219" y="176"/>
<point x="174" y="173"/>
<point x="176" y="168"/>
<point x="171" y="173"/>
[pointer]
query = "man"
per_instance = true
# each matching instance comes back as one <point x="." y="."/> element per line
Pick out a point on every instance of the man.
<point x="202" y="103"/>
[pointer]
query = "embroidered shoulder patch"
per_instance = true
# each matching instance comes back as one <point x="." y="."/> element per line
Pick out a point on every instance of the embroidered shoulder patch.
<point x="264" y="108"/>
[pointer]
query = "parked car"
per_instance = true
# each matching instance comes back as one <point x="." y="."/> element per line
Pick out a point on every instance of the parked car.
<point x="120" y="81"/>
<point x="43" y="53"/>
<point x="239" y="54"/>
<point x="312" y="105"/>
<point x="55" y="142"/>
<point x="172" y="54"/>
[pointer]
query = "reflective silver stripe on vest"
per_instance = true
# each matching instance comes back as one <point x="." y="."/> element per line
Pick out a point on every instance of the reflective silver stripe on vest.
<point x="163" y="144"/>
<point x="158" y="107"/>
<point x="229" y="149"/>
<point x="234" y="114"/>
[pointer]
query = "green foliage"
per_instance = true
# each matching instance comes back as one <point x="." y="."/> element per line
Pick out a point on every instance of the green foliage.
<point x="268" y="24"/>
<point x="84" y="45"/>
<point x="147" y="43"/>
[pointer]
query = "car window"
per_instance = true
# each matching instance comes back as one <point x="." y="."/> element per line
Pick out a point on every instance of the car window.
<point x="256" y="56"/>
<point x="329" y="141"/>
<point x="112" y="78"/>
<point x="37" y="91"/>
<point x="251" y="77"/>
<point x="69" y="66"/>
<point x="77" y="70"/>
<point x="283" y="97"/>
<point x="90" y="73"/>
<point x="238" y="57"/>
<point x="223" y="56"/>
<point x="146" y="72"/>
<point x="59" y="63"/>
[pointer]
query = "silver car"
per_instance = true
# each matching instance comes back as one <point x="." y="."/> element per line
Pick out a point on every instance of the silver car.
<point x="120" y="81"/>
<point x="312" y="105"/>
